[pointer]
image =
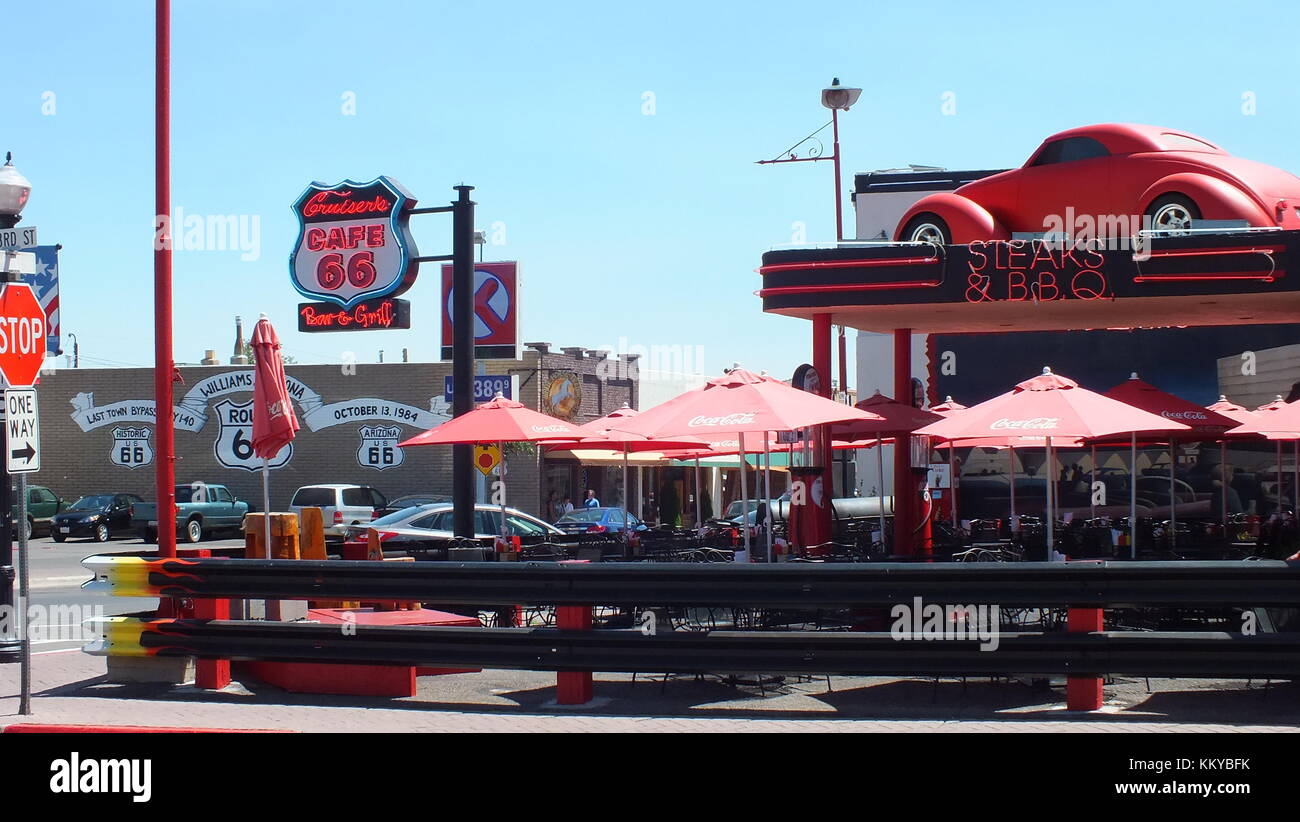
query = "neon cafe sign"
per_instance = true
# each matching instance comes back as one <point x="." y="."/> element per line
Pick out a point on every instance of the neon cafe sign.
<point x="353" y="256"/>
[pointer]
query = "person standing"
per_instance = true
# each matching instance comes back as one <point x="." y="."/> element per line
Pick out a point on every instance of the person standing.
<point x="565" y="507"/>
<point x="591" y="501"/>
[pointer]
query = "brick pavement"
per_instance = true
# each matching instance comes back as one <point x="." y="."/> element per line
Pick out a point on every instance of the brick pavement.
<point x="69" y="688"/>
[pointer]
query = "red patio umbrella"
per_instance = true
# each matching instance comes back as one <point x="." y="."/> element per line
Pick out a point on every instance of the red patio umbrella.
<point x="947" y="406"/>
<point x="740" y="402"/>
<point x="1049" y="406"/>
<point x="1202" y="423"/>
<point x="274" y="422"/>
<point x="498" y="420"/>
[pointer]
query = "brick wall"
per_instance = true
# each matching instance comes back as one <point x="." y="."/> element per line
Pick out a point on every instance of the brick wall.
<point x="77" y="461"/>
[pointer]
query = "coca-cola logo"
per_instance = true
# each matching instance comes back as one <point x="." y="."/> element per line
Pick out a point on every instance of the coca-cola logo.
<point x="551" y="429"/>
<point x="1184" y="415"/>
<point x="1034" y="422"/>
<point x="743" y="418"/>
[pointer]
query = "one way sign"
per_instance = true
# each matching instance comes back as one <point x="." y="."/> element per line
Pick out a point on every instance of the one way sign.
<point x="23" y="429"/>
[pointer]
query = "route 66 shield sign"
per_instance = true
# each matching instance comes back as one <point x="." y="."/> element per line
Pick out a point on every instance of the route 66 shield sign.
<point x="354" y="243"/>
<point x="379" y="447"/>
<point x="234" y="444"/>
<point x="131" y="447"/>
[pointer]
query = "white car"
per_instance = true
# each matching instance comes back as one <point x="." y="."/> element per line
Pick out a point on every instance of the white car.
<point x="341" y="505"/>
<point x="420" y="523"/>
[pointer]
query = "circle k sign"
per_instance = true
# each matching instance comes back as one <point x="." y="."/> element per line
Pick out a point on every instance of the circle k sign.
<point x="22" y="335"/>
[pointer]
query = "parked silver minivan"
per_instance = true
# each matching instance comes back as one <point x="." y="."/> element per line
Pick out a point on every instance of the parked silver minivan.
<point x="342" y="505"/>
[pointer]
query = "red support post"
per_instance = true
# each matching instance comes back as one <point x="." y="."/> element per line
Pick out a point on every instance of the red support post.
<point x="212" y="674"/>
<point x="905" y="491"/>
<point x="573" y="687"/>
<point x="822" y="454"/>
<point x="1083" y="693"/>
<point x="164" y="366"/>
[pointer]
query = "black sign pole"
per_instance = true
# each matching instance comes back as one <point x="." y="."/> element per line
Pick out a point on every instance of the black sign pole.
<point x="11" y="643"/>
<point x="462" y="369"/>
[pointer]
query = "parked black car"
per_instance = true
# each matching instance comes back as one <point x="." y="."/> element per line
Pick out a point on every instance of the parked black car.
<point x="96" y="516"/>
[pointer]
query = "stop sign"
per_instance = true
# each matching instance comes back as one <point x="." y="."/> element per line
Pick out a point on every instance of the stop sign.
<point x="22" y="335"/>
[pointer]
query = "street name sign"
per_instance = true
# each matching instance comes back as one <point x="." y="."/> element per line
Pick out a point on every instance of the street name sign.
<point x="18" y="239"/>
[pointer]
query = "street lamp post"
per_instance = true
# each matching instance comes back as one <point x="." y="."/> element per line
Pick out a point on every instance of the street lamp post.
<point x="14" y="193"/>
<point x="837" y="98"/>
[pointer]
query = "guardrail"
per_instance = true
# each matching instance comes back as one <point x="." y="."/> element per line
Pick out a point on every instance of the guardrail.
<point x="772" y="652"/>
<point x="1084" y="653"/>
<point x="785" y="585"/>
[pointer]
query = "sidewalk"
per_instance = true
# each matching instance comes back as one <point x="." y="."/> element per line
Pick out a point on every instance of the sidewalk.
<point x="69" y="689"/>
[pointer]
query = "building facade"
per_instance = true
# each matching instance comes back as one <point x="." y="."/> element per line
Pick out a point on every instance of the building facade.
<point x="98" y="429"/>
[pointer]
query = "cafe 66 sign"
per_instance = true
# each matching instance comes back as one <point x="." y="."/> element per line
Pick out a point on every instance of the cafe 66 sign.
<point x="354" y="245"/>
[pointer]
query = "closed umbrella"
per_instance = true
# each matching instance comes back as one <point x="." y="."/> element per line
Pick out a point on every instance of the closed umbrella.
<point x="1050" y="406"/>
<point x="274" y="422"/>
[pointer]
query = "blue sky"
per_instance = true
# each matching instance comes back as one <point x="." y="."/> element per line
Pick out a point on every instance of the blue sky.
<point x="628" y="226"/>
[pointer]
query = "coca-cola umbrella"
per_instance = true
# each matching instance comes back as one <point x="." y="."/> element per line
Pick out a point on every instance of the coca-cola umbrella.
<point x="1202" y="424"/>
<point x="1050" y="406"/>
<point x="739" y="402"/>
<point x="274" y="422"/>
<point x="499" y="421"/>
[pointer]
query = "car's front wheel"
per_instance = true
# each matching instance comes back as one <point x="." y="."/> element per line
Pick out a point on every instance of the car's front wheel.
<point x="57" y="536"/>
<point x="927" y="228"/>
<point x="1172" y="213"/>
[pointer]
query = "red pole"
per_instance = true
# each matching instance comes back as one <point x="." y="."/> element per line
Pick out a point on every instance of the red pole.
<point x="904" y="486"/>
<point x="164" y="367"/>
<point x="839" y="198"/>
<point x="822" y="455"/>
<point x="1083" y="693"/>
<point x="573" y="687"/>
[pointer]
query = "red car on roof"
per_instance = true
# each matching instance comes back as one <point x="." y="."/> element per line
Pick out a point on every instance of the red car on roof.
<point x="1119" y="176"/>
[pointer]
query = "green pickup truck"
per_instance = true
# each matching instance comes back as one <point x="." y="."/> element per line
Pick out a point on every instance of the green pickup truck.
<point x="201" y="509"/>
<point x="42" y="505"/>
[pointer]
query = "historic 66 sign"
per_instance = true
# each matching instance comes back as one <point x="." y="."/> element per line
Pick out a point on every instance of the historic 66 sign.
<point x="131" y="447"/>
<point x="379" y="447"/>
<point x="353" y="242"/>
<point x="234" y="444"/>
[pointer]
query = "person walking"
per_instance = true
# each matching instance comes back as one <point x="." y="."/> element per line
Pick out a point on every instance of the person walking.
<point x="591" y="501"/>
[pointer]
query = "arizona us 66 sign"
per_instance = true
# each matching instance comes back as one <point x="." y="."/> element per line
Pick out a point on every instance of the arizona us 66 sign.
<point x="23" y="428"/>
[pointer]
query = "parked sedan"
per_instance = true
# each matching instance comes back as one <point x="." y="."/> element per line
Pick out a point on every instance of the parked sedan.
<point x="96" y="516"/>
<point x="597" y="521"/>
<point x="434" y="521"/>
<point x="409" y="500"/>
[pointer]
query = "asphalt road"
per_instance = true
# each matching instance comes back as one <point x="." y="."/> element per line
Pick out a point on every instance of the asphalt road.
<point x="59" y="606"/>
